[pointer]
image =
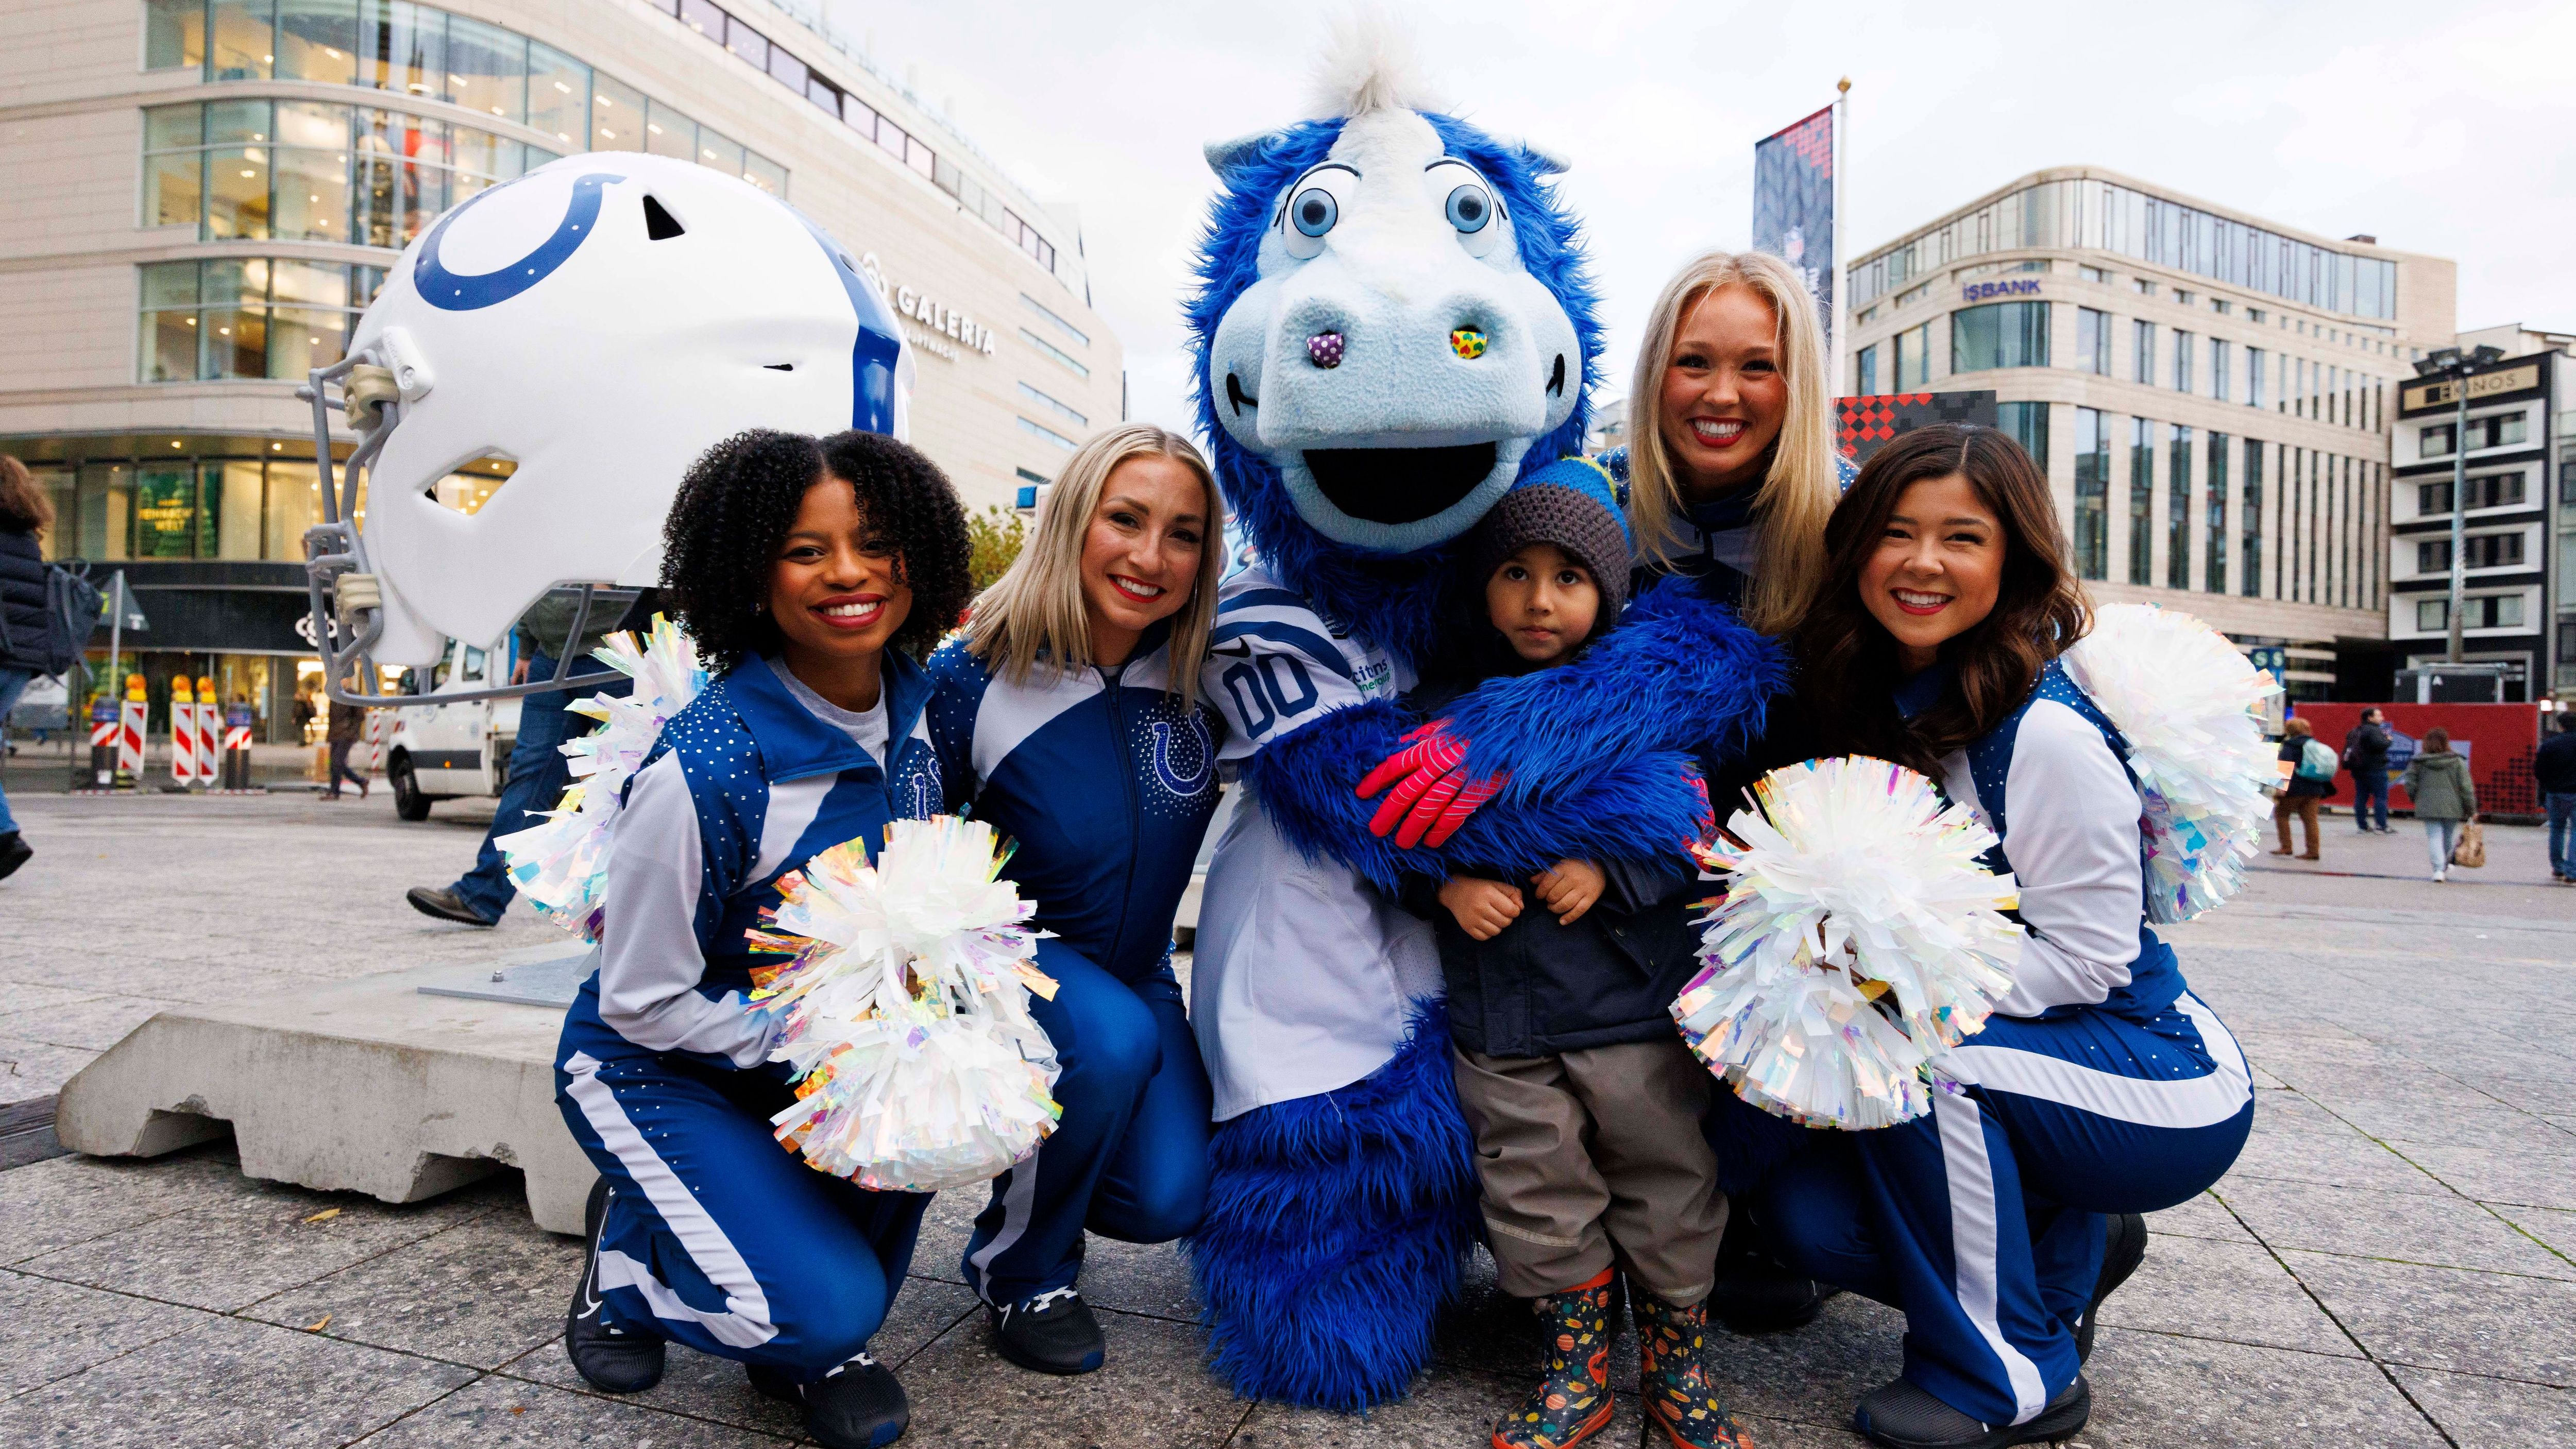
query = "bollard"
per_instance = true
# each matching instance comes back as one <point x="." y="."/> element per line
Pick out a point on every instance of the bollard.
<point x="129" y="734"/>
<point x="102" y="745"/>
<point x="209" y="733"/>
<point x="183" y="732"/>
<point x="237" y="722"/>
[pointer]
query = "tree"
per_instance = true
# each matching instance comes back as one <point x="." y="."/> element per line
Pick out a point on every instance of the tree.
<point x="995" y="535"/>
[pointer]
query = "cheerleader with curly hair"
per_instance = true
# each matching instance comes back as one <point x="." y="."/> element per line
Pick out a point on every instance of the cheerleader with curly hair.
<point x="809" y="572"/>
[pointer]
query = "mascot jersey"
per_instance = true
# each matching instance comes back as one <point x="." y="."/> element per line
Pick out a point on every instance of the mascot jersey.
<point x="1393" y="330"/>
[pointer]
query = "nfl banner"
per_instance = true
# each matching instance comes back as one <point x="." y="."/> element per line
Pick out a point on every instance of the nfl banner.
<point x="1793" y="204"/>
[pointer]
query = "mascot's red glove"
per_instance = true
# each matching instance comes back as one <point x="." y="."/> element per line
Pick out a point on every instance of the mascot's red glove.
<point x="1432" y="795"/>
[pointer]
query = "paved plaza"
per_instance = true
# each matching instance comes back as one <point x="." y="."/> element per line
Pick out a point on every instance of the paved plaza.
<point x="2393" y="1261"/>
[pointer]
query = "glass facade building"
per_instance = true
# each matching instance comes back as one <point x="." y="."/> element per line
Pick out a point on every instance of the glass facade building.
<point x="2247" y="369"/>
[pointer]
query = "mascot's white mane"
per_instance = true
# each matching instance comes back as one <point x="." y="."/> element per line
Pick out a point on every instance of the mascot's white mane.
<point x="1369" y="63"/>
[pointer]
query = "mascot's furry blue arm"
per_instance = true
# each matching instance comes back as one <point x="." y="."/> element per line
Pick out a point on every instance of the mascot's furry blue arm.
<point x="1393" y="329"/>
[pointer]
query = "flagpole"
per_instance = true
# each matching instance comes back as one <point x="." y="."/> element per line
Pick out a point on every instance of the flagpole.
<point x="1842" y="230"/>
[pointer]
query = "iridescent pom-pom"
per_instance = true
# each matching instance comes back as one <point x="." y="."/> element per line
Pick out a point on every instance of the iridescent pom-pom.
<point x="2187" y="702"/>
<point x="561" y="865"/>
<point x="1859" y="937"/>
<point x="905" y="1011"/>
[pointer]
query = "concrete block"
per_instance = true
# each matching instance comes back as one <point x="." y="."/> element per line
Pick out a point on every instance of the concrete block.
<point x="367" y="1086"/>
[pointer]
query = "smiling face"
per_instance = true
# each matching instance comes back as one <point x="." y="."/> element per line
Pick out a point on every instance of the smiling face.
<point x="1937" y="570"/>
<point x="837" y="593"/>
<point x="1724" y="395"/>
<point x="1395" y="358"/>
<point x="1141" y="551"/>
<point x="1544" y="601"/>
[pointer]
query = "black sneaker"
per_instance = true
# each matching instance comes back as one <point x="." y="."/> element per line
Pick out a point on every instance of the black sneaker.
<point x="14" y="852"/>
<point x="1756" y="1292"/>
<point x="2122" y="1252"/>
<point x="1053" y="1333"/>
<point x="856" y="1406"/>
<point x="446" y="905"/>
<point x="610" y="1358"/>
<point x="1901" y="1416"/>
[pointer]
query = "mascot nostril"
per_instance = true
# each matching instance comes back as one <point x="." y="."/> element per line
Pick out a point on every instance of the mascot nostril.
<point x="1236" y="397"/>
<point x="1324" y="349"/>
<point x="1556" y="379"/>
<point x="1398" y="485"/>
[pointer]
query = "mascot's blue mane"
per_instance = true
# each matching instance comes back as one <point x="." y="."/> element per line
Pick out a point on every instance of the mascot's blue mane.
<point x="1390" y="599"/>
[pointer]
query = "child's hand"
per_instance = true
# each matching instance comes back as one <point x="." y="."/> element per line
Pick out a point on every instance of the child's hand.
<point x="1569" y="889"/>
<point x="1483" y="907"/>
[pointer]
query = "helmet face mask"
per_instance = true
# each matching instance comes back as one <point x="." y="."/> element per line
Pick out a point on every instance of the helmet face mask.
<point x="600" y="322"/>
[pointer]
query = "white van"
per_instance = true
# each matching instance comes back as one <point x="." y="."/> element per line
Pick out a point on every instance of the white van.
<point x="441" y="751"/>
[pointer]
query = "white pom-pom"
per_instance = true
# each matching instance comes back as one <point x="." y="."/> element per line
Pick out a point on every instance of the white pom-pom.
<point x="905" y="1012"/>
<point x="561" y="866"/>
<point x="1369" y="64"/>
<point x="2187" y="701"/>
<point x="1859" y="937"/>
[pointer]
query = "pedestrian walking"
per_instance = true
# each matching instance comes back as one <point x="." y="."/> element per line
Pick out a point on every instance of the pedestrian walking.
<point x="2437" y="780"/>
<point x="2311" y="780"/>
<point x="26" y="622"/>
<point x="2553" y="769"/>
<point x="348" y="722"/>
<point x="2365" y="754"/>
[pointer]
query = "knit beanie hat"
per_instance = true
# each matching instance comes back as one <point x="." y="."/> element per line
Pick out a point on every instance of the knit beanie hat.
<point x="1568" y="503"/>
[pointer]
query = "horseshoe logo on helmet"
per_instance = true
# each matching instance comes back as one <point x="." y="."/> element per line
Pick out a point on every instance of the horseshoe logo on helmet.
<point x="452" y="292"/>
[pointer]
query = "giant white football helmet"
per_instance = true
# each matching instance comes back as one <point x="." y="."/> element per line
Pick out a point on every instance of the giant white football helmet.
<point x="601" y="321"/>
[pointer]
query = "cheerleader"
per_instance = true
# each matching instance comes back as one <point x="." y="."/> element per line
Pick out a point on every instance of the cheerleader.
<point x="2101" y="1089"/>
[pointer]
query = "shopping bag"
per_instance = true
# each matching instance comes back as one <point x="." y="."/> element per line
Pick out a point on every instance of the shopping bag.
<point x="2471" y="849"/>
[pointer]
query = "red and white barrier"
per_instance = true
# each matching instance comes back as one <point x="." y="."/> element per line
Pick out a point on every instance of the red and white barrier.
<point x="209" y="733"/>
<point x="183" y="733"/>
<point x="129" y="734"/>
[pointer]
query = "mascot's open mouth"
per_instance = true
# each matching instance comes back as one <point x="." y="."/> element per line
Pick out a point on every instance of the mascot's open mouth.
<point x="1398" y="485"/>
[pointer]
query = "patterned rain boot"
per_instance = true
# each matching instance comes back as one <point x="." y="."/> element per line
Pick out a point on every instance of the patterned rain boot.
<point x="1573" y="1402"/>
<point x="1672" y="1380"/>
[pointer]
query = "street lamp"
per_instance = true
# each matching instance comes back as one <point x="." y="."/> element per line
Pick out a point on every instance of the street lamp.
<point x="2455" y="365"/>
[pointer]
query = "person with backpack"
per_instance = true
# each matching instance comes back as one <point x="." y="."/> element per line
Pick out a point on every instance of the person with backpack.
<point x="26" y="616"/>
<point x="2312" y="770"/>
<point x="2553" y="769"/>
<point x="2365" y="753"/>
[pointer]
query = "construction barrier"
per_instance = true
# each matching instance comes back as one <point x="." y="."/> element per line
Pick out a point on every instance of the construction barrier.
<point x="369" y="757"/>
<point x="183" y="733"/>
<point x="209" y="734"/>
<point x="129" y="734"/>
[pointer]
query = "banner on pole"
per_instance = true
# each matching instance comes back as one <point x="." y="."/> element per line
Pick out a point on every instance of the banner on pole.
<point x="1793" y="205"/>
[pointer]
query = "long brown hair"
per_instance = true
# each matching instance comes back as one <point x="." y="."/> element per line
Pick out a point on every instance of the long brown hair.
<point x="24" y="508"/>
<point x="1847" y="662"/>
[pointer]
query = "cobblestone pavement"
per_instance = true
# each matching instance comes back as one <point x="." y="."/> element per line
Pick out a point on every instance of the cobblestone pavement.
<point x="2392" y="1262"/>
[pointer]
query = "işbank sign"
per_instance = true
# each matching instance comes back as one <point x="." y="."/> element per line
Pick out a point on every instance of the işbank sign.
<point x="1981" y="291"/>
<point x="932" y="319"/>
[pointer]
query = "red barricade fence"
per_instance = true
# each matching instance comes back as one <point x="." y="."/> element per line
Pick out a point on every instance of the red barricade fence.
<point x="2498" y="739"/>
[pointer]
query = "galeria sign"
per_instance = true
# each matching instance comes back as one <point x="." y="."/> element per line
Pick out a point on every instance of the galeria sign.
<point x="935" y="315"/>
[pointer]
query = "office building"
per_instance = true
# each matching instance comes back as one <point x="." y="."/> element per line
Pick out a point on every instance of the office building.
<point x="206" y="193"/>
<point x="2493" y="471"/>
<point x="2211" y="393"/>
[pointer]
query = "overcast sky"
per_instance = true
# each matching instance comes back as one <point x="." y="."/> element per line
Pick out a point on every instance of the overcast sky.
<point x="2437" y="128"/>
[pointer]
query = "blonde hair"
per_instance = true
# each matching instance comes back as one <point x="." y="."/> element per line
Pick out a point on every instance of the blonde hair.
<point x="1035" y="607"/>
<point x="1802" y="487"/>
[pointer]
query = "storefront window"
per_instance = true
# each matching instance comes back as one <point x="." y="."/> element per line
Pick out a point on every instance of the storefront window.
<point x="243" y="33"/>
<point x="294" y="504"/>
<point x="61" y="486"/>
<point x="402" y="47"/>
<point x="317" y="40"/>
<point x="558" y="95"/>
<point x="714" y="150"/>
<point x="106" y="510"/>
<point x="616" y="115"/>
<point x="174" y="33"/>
<point x="487" y="68"/>
<point x="764" y="173"/>
<point x="246" y="317"/>
<point x="1999" y="334"/>
<point x="669" y="133"/>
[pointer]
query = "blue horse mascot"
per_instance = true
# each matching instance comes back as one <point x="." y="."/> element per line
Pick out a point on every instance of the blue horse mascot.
<point x="1393" y="328"/>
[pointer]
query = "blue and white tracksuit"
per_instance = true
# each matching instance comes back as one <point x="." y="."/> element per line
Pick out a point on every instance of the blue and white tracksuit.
<point x="2101" y="1085"/>
<point x="1105" y="780"/>
<point x="716" y="1236"/>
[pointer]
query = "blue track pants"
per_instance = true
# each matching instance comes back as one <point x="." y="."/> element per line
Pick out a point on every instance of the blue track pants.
<point x="1130" y="1159"/>
<point x="1982" y="1221"/>
<point x="716" y="1236"/>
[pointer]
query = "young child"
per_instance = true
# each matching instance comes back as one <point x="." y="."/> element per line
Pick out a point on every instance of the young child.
<point x="1585" y="1103"/>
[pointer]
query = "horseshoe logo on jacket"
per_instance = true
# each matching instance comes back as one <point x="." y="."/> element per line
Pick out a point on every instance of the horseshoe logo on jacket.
<point x="1181" y="785"/>
<point x="453" y="292"/>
